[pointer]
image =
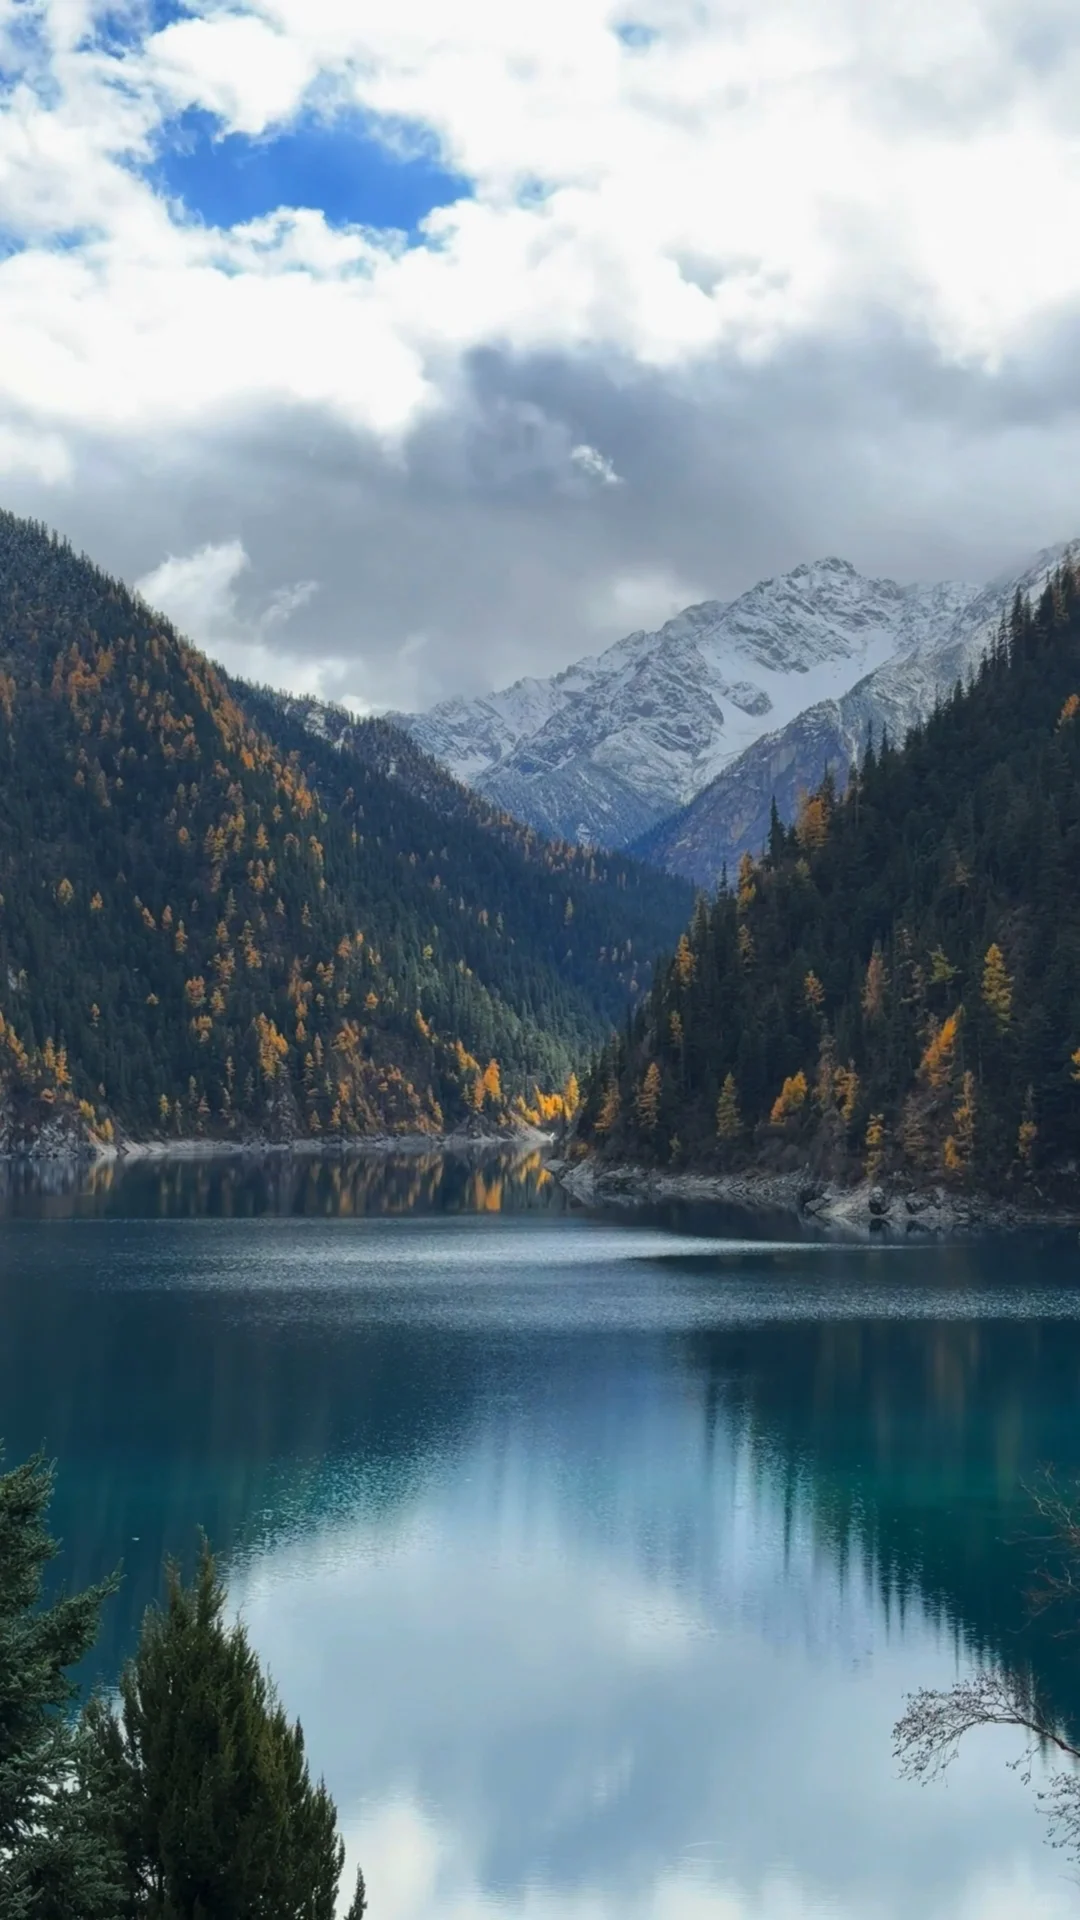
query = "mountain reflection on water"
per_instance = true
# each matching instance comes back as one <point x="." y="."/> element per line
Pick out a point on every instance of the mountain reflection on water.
<point x="596" y="1556"/>
<point x="248" y="1185"/>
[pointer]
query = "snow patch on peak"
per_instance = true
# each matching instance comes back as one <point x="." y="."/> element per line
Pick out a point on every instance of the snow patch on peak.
<point x="624" y="738"/>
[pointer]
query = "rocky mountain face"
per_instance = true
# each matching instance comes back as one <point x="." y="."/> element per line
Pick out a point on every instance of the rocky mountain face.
<point x="674" y="743"/>
<point x="731" y="814"/>
<point x="616" y="744"/>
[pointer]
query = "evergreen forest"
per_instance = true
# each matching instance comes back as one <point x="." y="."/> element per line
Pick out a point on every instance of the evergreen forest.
<point x="215" y="921"/>
<point x="894" y="986"/>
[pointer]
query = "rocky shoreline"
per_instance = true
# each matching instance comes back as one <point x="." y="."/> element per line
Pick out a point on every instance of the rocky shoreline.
<point x="53" y="1147"/>
<point x="895" y="1210"/>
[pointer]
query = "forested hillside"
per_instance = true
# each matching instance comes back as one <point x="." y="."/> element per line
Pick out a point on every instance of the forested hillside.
<point x="896" y="984"/>
<point x="210" y="928"/>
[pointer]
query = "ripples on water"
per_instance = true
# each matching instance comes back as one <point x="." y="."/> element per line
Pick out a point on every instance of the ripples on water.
<point x="596" y="1555"/>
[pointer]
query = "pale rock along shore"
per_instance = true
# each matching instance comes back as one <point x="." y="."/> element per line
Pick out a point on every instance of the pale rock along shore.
<point x="57" y="1146"/>
<point x="892" y="1210"/>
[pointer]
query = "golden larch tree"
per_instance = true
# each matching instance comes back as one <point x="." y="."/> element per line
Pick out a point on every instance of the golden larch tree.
<point x="790" y="1100"/>
<point x="939" y="1055"/>
<point x="728" y="1117"/>
<point x="875" y="1145"/>
<point x="875" y="986"/>
<point x="997" y="986"/>
<point x="648" y="1097"/>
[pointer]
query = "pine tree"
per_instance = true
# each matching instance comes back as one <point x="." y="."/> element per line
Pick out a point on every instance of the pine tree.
<point x="57" y="1858"/>
<point x="216" y="1812"/>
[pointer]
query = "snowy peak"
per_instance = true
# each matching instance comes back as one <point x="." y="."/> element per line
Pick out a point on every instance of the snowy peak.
<point x="620" y="740"/>
<point x="949" y="631"/>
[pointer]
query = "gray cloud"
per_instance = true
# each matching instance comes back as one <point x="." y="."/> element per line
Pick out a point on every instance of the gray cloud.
<point x="486" y="550"/>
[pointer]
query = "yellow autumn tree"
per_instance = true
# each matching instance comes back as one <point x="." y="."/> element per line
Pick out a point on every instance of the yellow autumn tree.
<point x="571" y="1097"/>
<point x="939" y="1055"/>
<point x="684" y="961"/>
<point x="1028" y="1132"/>
<point x="960" y="1144"/>
<point x="875" y="1145"/>
<point x="648" y="1097"/>
<point x="728" y="1117"/>
<point x="491" y="1083"/>
<point x="747" y="886"/>
<point x="812" y="822"/>
<point x="609" y="1108"/>
<point x="997" y="986"/>
<point x="272" y="1046"/>
<point x="875" y="985"/>
<point x="846" y="1092"/>
<point x="814" y="992"/>
<point x="790" y="1100"/>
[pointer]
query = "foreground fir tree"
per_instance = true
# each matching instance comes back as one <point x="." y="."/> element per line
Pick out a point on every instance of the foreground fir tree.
<point x="214" y="1809"/>
<point x="57" y="1857"/>
<point x="190" y="1799"/>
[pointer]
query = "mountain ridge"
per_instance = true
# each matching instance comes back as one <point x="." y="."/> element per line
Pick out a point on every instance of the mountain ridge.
<point x="889" y="992"/>
<point x="614" y="744"/>
<point x="735" y="699"/>
<point x="731" y="815"/>
<point x="214" y="923"/>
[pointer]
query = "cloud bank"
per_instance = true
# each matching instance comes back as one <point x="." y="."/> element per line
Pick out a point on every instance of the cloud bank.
<point x="709" y="287"/>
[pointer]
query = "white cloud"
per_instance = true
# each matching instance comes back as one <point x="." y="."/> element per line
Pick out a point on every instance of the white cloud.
<point x="747" y="178"/>
<point x="754" y="171"/>
<point x="198" y="590"/>
<point x="198" y="593"/>
<point x="235" y="66"/>
<point x="596" y="465"/>
<point x="645" y="598"/>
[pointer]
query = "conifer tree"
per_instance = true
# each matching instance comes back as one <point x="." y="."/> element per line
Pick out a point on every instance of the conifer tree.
<point x="57" y="1857"/>
<point x="215" y="1810"/>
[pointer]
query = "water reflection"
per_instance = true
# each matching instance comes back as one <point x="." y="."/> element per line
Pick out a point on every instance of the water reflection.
<point x="596" y="1560"/>
<point x="251" y="1185"/>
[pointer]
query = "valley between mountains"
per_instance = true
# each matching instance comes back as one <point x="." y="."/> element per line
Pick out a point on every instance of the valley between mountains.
<point x="229" y="914"/>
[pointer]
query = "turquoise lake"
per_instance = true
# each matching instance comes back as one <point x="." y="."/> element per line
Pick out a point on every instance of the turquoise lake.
<point x="597" y="1553"/>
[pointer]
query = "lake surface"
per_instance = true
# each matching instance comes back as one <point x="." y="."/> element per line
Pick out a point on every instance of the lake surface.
<point x="596" y="1554"/>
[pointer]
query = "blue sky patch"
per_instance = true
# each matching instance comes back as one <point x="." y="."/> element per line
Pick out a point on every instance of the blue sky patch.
<point x="336" y="166"/>
<point x="633" y="34"/>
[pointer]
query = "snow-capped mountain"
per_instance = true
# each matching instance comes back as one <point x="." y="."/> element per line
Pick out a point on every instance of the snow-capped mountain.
<point x="615" y="745"/>
<point x="731" y="814"/>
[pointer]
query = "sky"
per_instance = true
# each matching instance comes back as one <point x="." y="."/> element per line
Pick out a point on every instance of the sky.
<point x="395" y="351"/>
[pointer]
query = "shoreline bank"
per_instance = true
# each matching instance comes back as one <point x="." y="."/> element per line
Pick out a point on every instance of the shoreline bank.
<point x="407" y="1145"/>
<point x="889" y="1210"/>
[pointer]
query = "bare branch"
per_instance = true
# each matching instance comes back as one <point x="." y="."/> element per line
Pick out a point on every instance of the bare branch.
<point x="927" y="1737"/>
